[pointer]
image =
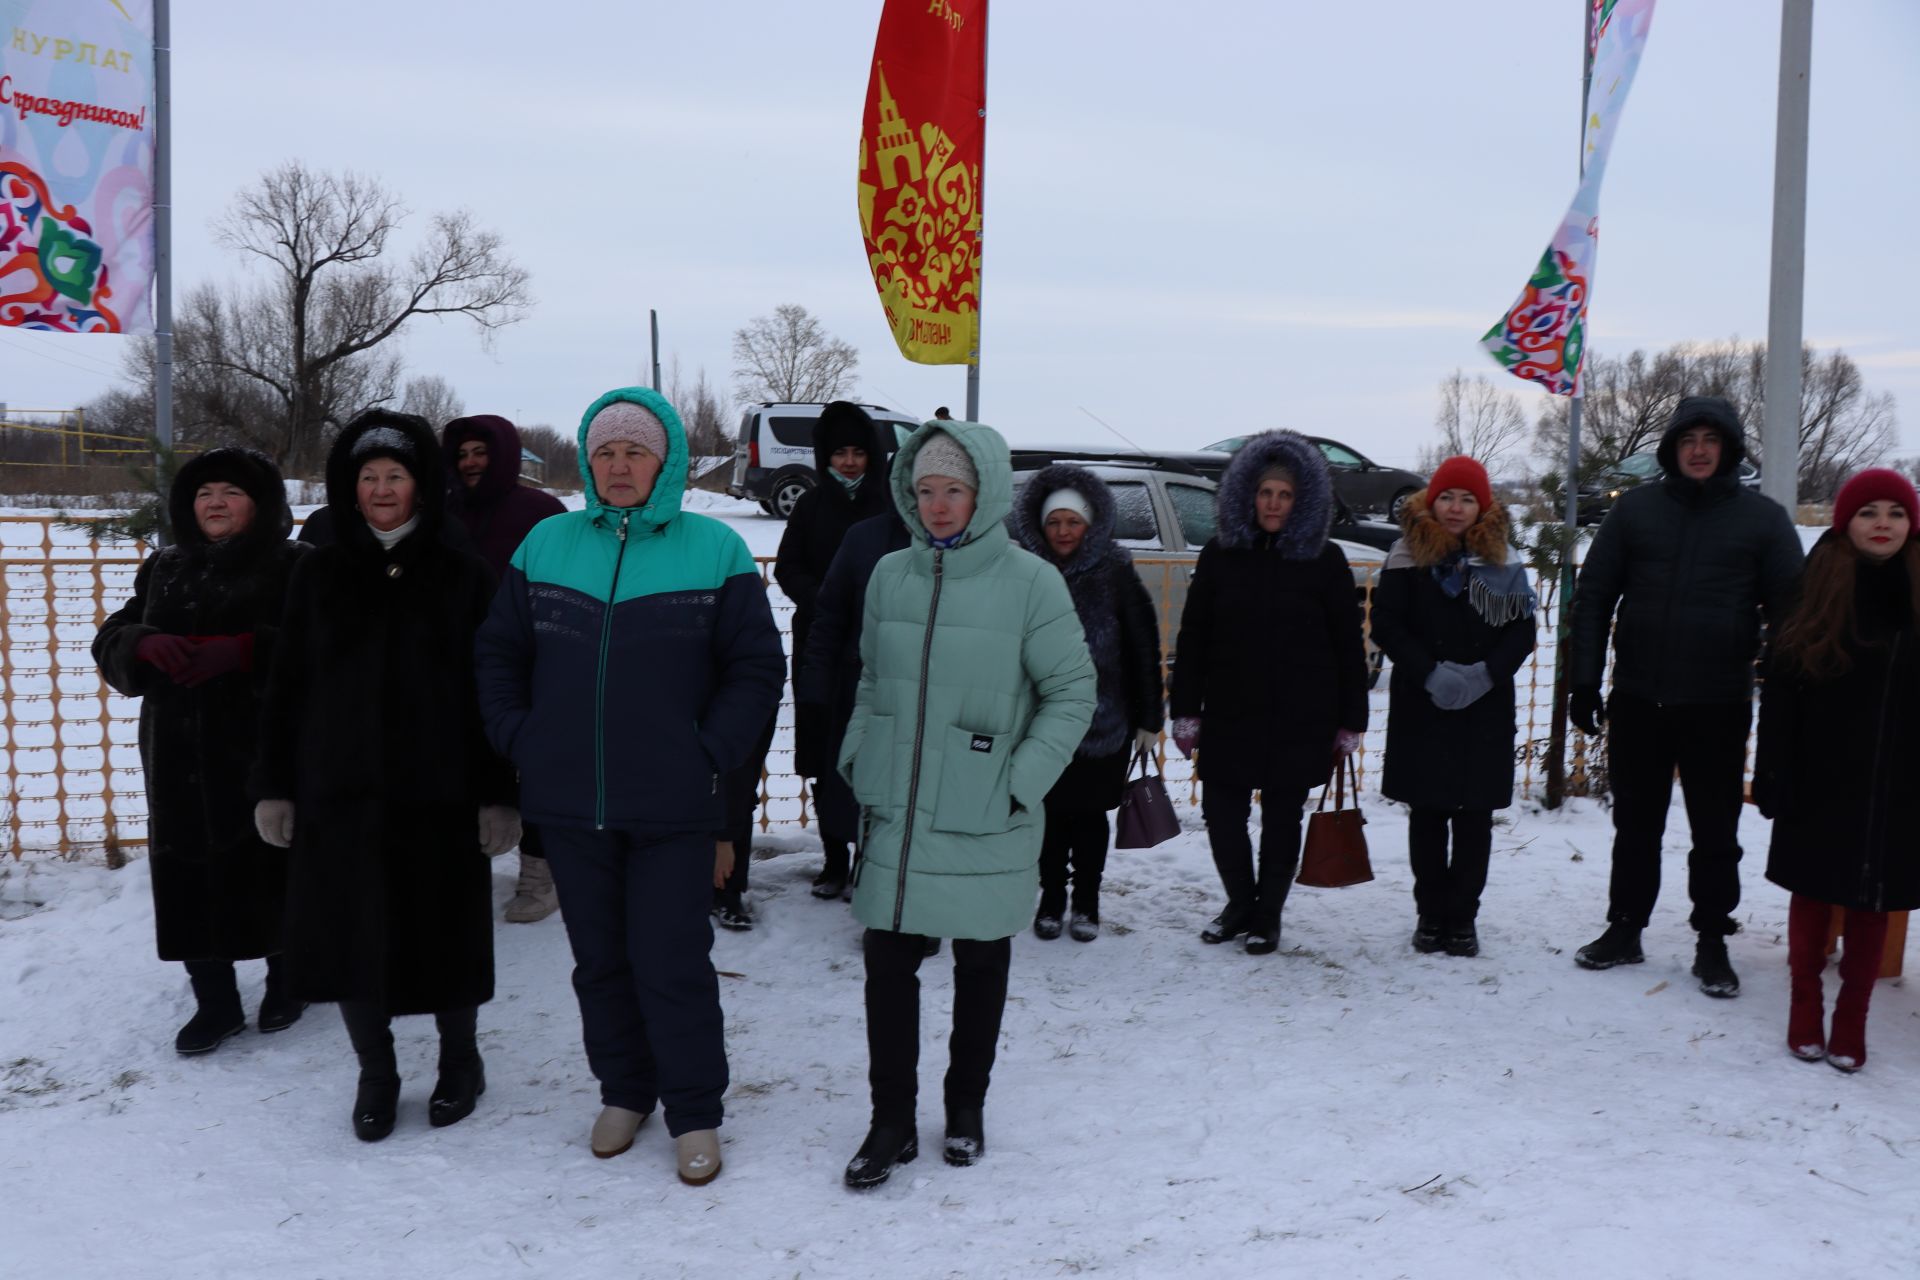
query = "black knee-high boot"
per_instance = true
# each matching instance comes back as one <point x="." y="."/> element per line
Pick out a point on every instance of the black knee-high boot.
<point x="218" y="1013"/>
<point x="279" y="1008"/>
<point x="378" y="1097"/>
<point x="462" y="1076"/>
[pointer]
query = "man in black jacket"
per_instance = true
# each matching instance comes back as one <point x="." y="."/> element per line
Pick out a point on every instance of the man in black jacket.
<point x="1690" y="560"/>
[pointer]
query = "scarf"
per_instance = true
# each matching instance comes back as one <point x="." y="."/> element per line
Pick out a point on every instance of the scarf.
<point x="1499" y="593"/>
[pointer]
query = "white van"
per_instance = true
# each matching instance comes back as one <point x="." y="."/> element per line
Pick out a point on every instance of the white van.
<point x="773" y="458"/>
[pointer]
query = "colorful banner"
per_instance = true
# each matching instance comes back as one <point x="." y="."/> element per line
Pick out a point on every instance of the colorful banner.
<point x="1543" y="336"/>
<point x="921" y="143"/>
<point x="77" y="134"/>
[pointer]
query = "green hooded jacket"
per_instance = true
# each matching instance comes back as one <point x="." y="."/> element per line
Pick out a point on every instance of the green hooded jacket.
<point x="975" y="690"/>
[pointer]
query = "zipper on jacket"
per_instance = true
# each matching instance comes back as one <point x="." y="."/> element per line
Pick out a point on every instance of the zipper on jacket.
<point x="600" y="687"/>
<point x="919" y="740"/>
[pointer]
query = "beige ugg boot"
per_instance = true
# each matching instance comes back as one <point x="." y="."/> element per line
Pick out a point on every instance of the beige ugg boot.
<point x="614" y="1129"/>
<point x="699" y="1156"/>
<point x="534" y="898"/>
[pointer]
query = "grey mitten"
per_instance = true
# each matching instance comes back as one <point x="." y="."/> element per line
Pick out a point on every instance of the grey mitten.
<point x="1454" y="686"/>
<point x="273" y="819"/>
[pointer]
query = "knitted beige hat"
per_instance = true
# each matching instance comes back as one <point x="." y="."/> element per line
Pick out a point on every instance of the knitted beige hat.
<point x="942" y="455"/>
<point x="625" y="420"/>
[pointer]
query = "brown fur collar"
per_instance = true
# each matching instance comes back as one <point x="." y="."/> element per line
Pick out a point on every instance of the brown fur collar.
<point x="1429" y="544"/>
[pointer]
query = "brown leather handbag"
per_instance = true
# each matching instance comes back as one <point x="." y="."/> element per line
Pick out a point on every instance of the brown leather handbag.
<point x="1335" y="854"/>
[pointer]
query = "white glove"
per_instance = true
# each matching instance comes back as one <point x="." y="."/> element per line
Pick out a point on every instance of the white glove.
<point x="499" y="829"/>
<point x="1146" y="740"/>
<point x="273" y="819"/>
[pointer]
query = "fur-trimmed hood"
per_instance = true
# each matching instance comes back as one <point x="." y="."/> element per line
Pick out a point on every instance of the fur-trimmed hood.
<point x="426" y="464"/>
<point x="1029" y="522"/>
<point x="1426" y="543"/>
<point x="1304" y="535"/>
<point x="254" y="472"/>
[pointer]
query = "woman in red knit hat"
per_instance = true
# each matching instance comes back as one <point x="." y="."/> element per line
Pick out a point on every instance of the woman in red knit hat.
<point x="1456" y="617"/>
<point x="1838" y="751"/>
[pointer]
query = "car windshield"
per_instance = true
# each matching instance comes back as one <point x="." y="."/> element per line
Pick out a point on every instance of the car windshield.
<point x="1230" y="445"/>
<point x="1338" y="455"/>
<point x="1640" y="465"/>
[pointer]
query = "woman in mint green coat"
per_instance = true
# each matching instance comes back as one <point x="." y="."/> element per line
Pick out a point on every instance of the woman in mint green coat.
<point x="975" y="690"/>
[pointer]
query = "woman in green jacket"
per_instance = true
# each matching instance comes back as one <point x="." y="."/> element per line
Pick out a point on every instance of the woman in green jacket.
<point x="975" y="689"/>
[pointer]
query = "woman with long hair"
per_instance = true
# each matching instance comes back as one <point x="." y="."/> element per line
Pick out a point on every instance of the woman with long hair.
<point x="1838" y="753"/>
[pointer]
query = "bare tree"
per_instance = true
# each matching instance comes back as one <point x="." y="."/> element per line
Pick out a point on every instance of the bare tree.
<point x="701" y="412"/>
<point x="1843" y="426"/>
<point x="334" y="293"/>
<point x="433" y="398"/>
<point x="789" y="356"/>
<point x="558" y="450"/>
<point x="1478" y="418"/>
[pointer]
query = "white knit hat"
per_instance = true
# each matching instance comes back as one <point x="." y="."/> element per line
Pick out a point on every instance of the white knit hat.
<point x="1067" y="500"/>
<point x="942" y="455"/>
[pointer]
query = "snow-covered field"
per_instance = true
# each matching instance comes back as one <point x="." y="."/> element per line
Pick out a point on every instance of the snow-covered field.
<point x="1160" y="1108"/>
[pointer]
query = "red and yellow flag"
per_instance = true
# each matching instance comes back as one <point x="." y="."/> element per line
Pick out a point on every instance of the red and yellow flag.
<point x="921" y="141"/>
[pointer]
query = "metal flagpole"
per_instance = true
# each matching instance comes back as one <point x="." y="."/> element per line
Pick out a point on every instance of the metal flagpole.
<point x="979" y="207"/>
<point x="1563" y="632"/>
<point x="653" y="320"/>
<point x="162" y="226"/>
<point x="1780" y="434"/>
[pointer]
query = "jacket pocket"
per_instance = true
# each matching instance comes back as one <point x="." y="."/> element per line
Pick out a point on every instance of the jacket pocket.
<point x="975" y="798"/>
<point x="873" y="764"/>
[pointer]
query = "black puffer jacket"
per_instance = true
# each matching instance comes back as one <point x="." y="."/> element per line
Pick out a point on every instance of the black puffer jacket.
<point x="1270" y="654"/>
<point x="823" y="515"/>
<point x="218" y="889"/>
<point x="1837" y="758"/>
<point x="1116" y="612"/>
<point x="827" y="671"/>
<point x="1446" y="759"/>
<point x="1690" y="565"/>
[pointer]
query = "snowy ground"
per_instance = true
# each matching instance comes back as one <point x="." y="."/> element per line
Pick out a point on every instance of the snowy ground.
<point x="1160" y="1108"/>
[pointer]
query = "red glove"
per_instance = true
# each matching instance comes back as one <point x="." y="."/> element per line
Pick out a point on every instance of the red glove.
<point x="216" y="656"/>
<point x="168" y="653"/>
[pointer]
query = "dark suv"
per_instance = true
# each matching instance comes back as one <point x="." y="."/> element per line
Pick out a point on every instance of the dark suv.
<point x="1363" y="484"/>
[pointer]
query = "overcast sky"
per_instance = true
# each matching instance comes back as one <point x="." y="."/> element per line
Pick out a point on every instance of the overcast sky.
<point x="1201" y="219"/>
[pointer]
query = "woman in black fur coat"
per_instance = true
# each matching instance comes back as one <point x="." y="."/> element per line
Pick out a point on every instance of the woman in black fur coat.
<point x="193" y="644"/>
<point x="1065" y="515"/>
<point x="374" y="768"/>
<point x="1269" y="672"/>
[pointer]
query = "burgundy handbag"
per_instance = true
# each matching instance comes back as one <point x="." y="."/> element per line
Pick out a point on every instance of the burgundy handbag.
<point x="1146" y="815"/>
<point x="1335" y="854"/>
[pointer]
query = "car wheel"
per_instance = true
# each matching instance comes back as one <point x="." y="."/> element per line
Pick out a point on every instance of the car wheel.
<point x="766" y="505"/>
<point x="1399" y="504"/>
<point x="786" y="495"/>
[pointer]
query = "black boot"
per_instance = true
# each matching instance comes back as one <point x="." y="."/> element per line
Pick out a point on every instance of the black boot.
<point x="463" y="1077"/>
<point x="1713" y="968"/>
<point x="1046" y="921"/>
<point x="218" y="1014"/>
<point x="377" y="1100"/>
<point x="966" y="1136"/>
<point x="1263" y="936"/>
<point x="832" y="880"/>
<point x="730" y="911"/>
<point x="1426" y="936"/>
<point x="887" y="1145"/>
<point x="1463" y="940"/>
<point x="278" y="1008"/>
<point x="1620" y="944"/>
<point x="1228" y="925"/>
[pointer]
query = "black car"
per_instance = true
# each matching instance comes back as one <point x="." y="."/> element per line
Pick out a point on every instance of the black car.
<point x="1597" y="495"/>
<point x="1362" y="483"/>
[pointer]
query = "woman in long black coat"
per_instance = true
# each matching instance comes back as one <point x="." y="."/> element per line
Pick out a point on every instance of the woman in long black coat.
<point x="1064" y="514"/>
<point x="374" y="767"/>
<point x="850" y="463"/>
<point x="1838" y="755"/>
<point x="1457" y="620"/>
<point x="194" y="643"/>
<point x="1269" y="674"/>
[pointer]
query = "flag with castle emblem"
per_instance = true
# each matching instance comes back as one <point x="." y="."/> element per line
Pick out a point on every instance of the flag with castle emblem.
<point x="77" y="134"/>
<point x="1543" y="335"/>
<point x="921" y="142"/>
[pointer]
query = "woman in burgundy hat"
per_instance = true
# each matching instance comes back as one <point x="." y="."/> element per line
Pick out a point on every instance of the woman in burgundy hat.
<point x="1839" y="747"/>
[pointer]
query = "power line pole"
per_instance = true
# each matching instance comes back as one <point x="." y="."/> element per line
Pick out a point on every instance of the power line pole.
<point x="1786" y="299"/>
